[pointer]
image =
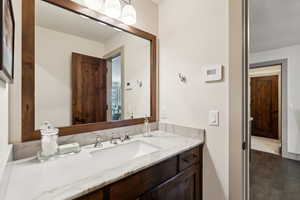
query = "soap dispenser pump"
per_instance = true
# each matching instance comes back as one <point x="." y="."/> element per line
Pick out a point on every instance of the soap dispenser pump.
<point x="48" y="141"/>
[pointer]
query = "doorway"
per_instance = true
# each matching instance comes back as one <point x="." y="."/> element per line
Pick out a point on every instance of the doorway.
<point x="265" y="108"/>
<point x="272" y="159"/>
<point x="115" y="84"/>
<point x="116" y="88"/>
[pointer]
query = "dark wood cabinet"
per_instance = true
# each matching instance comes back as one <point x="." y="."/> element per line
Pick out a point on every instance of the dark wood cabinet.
<point x="178" y="178"/>
<point x="97" y="195"/>
<point x="184" y="186"/>
<point x="133" y="186"/>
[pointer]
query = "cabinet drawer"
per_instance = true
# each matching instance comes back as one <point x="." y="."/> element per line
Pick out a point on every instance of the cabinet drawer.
<point x="189" y="158"/>
<point x="137" y="184"/>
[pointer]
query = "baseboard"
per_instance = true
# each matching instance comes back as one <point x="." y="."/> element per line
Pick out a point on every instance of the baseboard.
<point x="291" y="156"/>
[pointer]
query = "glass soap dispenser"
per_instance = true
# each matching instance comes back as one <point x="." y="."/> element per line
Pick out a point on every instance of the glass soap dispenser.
<point x="48" y="142"/>
<point x="147" y="131"/>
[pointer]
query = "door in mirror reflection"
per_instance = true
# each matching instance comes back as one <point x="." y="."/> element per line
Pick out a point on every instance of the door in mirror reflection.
<point x="116" y="89"/>
<point x="89" y="89"/>
<point x="86" y="71"/>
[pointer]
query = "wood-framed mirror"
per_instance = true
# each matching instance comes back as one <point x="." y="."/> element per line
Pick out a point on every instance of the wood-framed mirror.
<point x="84" y="71"/>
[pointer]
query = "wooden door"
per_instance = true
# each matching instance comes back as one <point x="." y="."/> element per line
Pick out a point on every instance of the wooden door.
<point x="89" y="89"/>
<point x="184" y="186"/>
<point x="264" y="106"/>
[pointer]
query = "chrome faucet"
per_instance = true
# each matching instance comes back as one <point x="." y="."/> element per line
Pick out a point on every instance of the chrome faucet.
<point x="98" y="143"/>
<point x="116" y="137"/>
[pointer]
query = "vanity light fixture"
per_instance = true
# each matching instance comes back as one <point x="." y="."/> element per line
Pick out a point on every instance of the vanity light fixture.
<point x="113" y="8"/>
<point x="129" y="14"/>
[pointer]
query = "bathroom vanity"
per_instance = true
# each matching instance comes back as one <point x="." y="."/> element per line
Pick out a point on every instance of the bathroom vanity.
<point x="179" y="177"/>
<point x="161" y="167"/>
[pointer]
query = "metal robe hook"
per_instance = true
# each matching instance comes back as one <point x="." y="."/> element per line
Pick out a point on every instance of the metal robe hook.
<point x="182" y="78"/>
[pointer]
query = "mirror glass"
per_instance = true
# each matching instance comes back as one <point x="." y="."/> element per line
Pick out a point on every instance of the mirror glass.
<point x="86" y="71"/>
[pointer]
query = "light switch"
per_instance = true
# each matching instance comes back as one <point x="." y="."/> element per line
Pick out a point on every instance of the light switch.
<point x="213" y="118"/>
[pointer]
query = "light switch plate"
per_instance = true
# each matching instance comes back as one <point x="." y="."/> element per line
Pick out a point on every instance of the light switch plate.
<point x="213" y="118"/>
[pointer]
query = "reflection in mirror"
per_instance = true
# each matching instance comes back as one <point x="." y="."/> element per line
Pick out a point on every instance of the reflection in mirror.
<point x="86" y="71"/>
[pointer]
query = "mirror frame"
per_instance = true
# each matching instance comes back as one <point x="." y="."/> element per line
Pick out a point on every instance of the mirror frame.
<point x="28" y="69"/>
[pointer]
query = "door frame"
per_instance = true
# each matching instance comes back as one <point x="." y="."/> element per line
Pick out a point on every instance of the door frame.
<point x="108" y="57"/>
<point x="284" y="100"/>
<point x="246" y="142"/>
<point x="246" y="117"/>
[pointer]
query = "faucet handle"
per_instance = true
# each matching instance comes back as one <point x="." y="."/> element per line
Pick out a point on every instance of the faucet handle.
<point x="146" y="119"/>
<point x="127" y="136"/>
<point x="98" y="142"/>
<point x="98" y="139"/>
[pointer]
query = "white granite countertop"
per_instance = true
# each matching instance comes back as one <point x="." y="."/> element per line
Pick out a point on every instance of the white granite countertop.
<point x="73" y="176"/>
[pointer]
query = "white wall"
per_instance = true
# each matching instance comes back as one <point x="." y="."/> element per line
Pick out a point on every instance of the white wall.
<point x="193" y="34"/>
<point x="15" y="116"/>
<point x="3" y="117"/>
<point x="4" y="147"/>
<point x="5" y="89"/>
<point x="292" y="54"/>
<point x="136" y="68"/>
<point x="53" y="86"/>
<point x="147" y="13"/>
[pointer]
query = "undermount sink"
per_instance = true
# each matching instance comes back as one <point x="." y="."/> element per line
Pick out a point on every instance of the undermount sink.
<point x="124" y="152"/>
<point x="99" y="160"/>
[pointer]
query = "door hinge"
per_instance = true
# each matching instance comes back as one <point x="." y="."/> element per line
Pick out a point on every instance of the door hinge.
<point x="244" y="146"/>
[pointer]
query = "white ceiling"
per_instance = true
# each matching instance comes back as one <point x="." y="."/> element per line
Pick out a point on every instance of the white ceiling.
<point x="61" y="20"/>
<point x="274" y="24"/>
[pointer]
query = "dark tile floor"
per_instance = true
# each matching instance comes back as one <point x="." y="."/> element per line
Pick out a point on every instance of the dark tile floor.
<point x="273" y="177"/>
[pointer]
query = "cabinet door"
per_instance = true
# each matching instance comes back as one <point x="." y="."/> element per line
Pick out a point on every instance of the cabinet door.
<point x="97" y="195"/>
<point x="184" y="186"/>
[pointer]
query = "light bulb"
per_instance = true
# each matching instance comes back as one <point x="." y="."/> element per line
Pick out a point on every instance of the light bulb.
<point x="94" y="4"/>
<point x="129" y="15"/>
<point x="113" y="8"/>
